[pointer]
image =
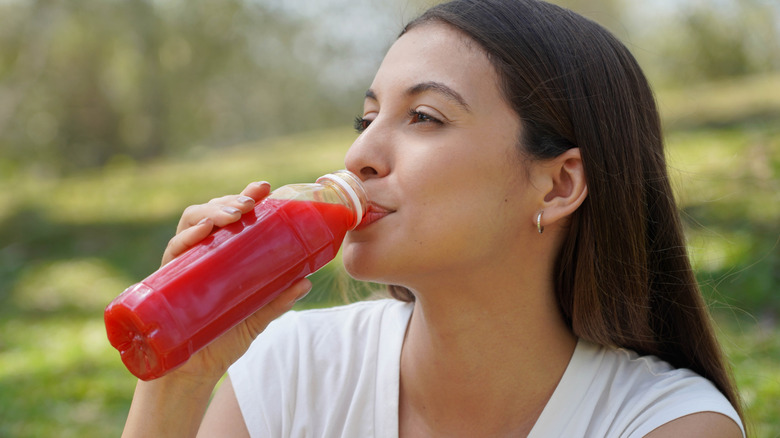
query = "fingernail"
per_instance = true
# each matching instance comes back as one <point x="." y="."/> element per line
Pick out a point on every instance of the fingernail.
<point x="230" y="210"/>
<point x="304" y="293"/>
<point x="203" y="221"/>
<point x="245" y="200"/>
<point x="261" y="183"/>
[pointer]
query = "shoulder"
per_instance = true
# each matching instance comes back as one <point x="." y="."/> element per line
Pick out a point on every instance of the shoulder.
<point x="700" y="424"/>
<point x="616" y="392"/>
<point x="661" y="400"/>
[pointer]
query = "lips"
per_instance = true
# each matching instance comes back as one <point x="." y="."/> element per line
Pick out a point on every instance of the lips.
<point x="374" y="212"/>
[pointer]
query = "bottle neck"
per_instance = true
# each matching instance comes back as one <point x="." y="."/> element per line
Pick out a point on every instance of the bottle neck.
<point x="349" y="184"/>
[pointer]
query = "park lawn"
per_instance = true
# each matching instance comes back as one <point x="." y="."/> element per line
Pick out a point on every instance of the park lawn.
<point x="70" y="245"/>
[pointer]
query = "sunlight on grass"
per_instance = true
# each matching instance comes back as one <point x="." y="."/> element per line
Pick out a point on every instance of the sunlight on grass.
<point x="728" y="167"/>
<point x="77" y="284"/>
<point x="728" y="183"/>
<point x="126" y="191"/>
<point x="59" y="378"/>
<point x="721" y="102"/>
<point x="754" y="350"/>
<point x="713" y="251"/>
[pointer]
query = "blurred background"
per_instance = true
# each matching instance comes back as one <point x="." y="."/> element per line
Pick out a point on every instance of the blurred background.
<point x="115" y="115"/>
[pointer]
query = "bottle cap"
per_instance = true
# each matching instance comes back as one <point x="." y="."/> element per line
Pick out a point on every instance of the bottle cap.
<point x="338" y="178"/>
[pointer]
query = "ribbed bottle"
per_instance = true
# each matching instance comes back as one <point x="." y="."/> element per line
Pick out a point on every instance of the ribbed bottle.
<point x="159" y="323"/>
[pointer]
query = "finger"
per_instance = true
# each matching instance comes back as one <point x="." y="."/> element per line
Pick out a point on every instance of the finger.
<point x="241" y="202"/>
<point x="221" y="215"/>
<point x="257" y="190"/>
<point x="257" y="322"/>
<point x="185" y="240"/>
<point x="224" y="210"/>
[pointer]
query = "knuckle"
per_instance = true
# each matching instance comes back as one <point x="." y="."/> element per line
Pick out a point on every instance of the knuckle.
<point x="255" y="326"/>
<point x="171" y="243"/>
<point x="190" y="210"/>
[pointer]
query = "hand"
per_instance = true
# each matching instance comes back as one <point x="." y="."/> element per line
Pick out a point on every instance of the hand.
<point x="211" y="363"/>
<point x="196" y="223"/>
<point x="173" y="405"/>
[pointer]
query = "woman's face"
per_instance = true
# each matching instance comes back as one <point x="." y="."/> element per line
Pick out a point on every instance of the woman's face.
<point x="438" y="157"/>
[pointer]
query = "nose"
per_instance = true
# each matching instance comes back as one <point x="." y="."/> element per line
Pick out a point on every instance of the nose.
<point x="369" y="156"/>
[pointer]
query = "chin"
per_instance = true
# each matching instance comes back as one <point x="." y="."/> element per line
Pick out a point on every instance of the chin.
<point x="357" y="270"/>
<point x="363" y="267"/>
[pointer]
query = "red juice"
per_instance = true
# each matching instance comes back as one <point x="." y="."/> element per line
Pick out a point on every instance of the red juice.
<point x="159" y="323"/>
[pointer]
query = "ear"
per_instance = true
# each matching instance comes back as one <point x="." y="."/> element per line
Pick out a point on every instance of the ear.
<point x="565" y="187"/>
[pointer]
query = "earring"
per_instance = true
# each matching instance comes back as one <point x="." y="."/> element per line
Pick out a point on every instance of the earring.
<point x="539" y="222"/>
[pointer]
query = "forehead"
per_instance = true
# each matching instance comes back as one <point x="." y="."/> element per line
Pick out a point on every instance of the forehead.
<point x="439" y="53"/>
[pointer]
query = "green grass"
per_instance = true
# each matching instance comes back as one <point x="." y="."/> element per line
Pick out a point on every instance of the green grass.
<point x="70" y="245"/>
<point x="754" y="350"/>
<point x="727" y="182"/>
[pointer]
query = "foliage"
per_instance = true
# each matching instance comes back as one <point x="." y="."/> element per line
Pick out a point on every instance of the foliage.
<point x="754" y="351"/>
<point x="725" y="160"/>
<point x="736" y="249"/>
<point x="83" y="82"/>
<point x="706" y="43"/>
<point x="683" y="43"/>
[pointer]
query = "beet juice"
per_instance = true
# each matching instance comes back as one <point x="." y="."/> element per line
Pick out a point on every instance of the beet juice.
<point x="159" y="323"/>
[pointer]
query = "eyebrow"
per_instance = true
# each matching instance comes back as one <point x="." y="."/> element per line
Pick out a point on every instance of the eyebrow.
<point x="436" y="87"/>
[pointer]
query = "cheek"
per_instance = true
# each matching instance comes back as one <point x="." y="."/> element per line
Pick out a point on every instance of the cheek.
<point x="475" y="222"/>
<point x="446" y="231"/>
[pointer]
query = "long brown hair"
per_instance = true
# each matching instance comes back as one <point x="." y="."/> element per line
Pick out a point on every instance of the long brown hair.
<point x="623" y="275"/>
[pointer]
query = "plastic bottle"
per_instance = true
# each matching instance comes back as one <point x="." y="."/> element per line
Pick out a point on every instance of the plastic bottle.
<point x="159" y="323"/>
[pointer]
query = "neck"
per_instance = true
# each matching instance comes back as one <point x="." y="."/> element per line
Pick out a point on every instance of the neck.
<point x="498" y="351"/>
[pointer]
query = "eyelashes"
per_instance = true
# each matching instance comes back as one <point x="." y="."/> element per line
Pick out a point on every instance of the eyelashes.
<point x="361" y="123"/>
<point x="415" y="116"/>
<point x="421" y="117"/>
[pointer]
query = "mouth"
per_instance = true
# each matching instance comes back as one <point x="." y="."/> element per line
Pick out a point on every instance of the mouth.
<point x="374" y="212"/>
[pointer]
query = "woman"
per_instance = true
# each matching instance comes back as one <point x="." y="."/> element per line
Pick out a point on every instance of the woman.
<point x="522" y="214"/>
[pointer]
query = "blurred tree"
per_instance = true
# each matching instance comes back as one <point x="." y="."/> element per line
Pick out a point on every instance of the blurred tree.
<point x="693" y="40"/>
<point x="83" y="81"/>
<point x="699" y="41"/>
<point x="608" y="13"/>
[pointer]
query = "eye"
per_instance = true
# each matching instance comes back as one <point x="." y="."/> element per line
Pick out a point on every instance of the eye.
<point x="421" y="117"/>
<point x="361" y="123"/>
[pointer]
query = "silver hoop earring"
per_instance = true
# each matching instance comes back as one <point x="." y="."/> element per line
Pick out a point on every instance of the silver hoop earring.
<point x="539" y="226"/>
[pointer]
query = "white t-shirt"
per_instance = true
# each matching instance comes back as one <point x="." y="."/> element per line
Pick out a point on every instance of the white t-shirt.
<point x="335" y="373"/>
